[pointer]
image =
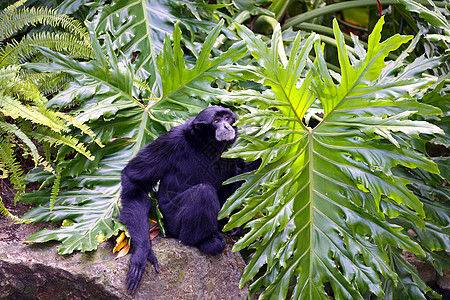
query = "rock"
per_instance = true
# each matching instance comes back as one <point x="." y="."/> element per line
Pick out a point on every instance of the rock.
<point x="425" y="270"/>
<point x="444" y="281"/>
<point x="38" y="272"/>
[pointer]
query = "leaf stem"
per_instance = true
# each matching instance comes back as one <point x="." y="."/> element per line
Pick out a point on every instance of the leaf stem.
<point x="140" y="137"/>
<point x="297" y="20"/>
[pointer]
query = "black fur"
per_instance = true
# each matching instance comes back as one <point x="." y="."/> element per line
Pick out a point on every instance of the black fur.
<point x="187" y="162"/>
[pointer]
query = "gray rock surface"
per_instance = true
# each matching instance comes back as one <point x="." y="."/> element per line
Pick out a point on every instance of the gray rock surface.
<point x="38" y="272"/>
<point x="444" y="282"/>
<point x="430" y="276"/>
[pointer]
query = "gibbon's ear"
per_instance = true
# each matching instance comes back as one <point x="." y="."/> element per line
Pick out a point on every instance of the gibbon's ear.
<point x="205" y="117"/>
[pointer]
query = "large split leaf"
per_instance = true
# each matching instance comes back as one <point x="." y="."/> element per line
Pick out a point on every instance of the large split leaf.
<point x="91" y="201"/>
<point x="435" y="17"/>
<point x="138" y="29"/>
<point x="90" y="190"/>
<point x="327" y="193"/>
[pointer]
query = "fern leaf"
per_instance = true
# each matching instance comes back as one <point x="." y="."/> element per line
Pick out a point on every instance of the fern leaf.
<point x="46" y="83"/>
<point x="55" y="138"/>
<point x="27" y="91"/>
<point x="55" y="187"/>
<point x="16" y="219"/>
<point x="68" y="43"/>
<point x="47" y="167"/>
<point x="31" y="150"/>
<point x="10" y="9"/>
<point x="8" y="74"/>
<point x="142" y="85"/>
<point x="13" y="129"/>
<point x="51" y="83"/>
<point x="80" y="125"/>
<point x="12" y="83"/>
<point x="10" y="164"/>
<point x="13" y="108"/>
<point x="15" y="20"/>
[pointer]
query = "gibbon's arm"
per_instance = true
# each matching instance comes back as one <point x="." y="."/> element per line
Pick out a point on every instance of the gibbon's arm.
<point x="138" y="178"/>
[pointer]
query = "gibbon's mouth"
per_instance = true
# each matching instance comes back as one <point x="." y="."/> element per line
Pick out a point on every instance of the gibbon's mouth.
<point x="225" y="135"/>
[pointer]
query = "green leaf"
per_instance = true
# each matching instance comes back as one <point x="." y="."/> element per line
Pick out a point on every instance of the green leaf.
<point x="91" y="201"/>
<point x="444" y="166"/>
<point x="96" y="79"/>
<point x="434" y="238"/>
<point x="14" y="19"/>
<point x="410" y="286"/>
<point x="12" y="107"/>
<point x="434" y="17"/>
<point x="13" y="129"/>
<point x="324" y="191"/>
<point x="139" y="29"/>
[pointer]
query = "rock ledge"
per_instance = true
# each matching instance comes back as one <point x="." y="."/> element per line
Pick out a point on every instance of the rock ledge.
<point x="38" y="272"/>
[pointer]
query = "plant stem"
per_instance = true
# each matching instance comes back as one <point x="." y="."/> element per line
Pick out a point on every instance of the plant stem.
<point x="295" y="21"/>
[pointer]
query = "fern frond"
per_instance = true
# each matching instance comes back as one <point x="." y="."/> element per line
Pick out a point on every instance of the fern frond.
<point x="68" y="43"/>
<point x="37" y="58"/>
<point x="12" y="83"/>
<point x="27" y="91"/>
<point x="15" y="20"/>
<point x="52" y="115"/>
<point x="47" y="167"/>
<point x="8" y="74"/>
<point x="11" y="165"/>
<point x="80" y="125"/>
<point x="35" y="78"/>
<point x="10" y="9"/>
<point x="55" y="187"/>
<point x="54" y="138"/>
<point x="16" y="219"/>
<point x="3" y="171"/>
<point x="46" y="83"/>
<point x="141" y="84"/>
<point x="13" y="129"/>
<point x="18" y="195"/>
<point x="53" y="82"/>
<point x="15" y="109"/>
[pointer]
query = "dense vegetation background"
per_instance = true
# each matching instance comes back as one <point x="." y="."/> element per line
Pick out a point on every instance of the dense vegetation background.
<point x="84" y="85"/>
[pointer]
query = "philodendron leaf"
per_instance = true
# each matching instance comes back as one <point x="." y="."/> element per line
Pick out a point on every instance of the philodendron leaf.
<point x="91" y="203"/>
<point x="90" y="190"/>
<point x="139" y="28"/>
<point x="325" y="193"/>
<point x="435" y="17"/>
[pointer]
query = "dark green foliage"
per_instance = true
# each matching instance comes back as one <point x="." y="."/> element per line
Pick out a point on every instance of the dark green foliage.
<point x="333" y="205"/>
<point x="330" y="201"/>
<point x="23" y="112"/>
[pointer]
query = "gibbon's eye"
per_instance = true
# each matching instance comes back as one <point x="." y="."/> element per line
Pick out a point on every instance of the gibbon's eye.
<point x="227" y="118"/>
<point x="216" y="121"/>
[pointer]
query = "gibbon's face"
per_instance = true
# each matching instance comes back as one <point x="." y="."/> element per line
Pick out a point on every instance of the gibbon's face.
<point x="221" y="121"/>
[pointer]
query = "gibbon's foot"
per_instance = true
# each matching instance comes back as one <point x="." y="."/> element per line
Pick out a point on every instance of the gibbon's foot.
<point x="213" y="245"/>
<point x="138" y="263"/>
